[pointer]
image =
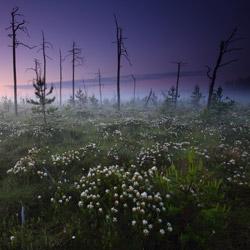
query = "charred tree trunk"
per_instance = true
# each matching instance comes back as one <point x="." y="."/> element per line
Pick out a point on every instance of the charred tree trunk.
<point x="224" y="48"/>
<point x="134" y="86"/>
<point x="14" y="27"/>
<point x="73" y="74"/>
<point x="121" y="51"/>
<point x="177" y="81"/>
<point x="77" y="60"/>
<point x="100" y="86"/>
<point x="60" y="53"/>
<point x="44" y="58"/>
<point x="14" y="62"/>
<point x="118" y="39"/>
<point x="146" y="104"/>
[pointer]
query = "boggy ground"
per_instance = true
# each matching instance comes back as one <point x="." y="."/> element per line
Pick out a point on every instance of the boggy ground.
<point x="135" y="179"/>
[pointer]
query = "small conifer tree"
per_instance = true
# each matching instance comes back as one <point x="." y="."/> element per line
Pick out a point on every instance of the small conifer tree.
<point x="41" y="94"/>
<point x="82" y="98"/>
<point x="196" y="96"/>
<point x="93" y="101"/>
<point x="172" y="96"/>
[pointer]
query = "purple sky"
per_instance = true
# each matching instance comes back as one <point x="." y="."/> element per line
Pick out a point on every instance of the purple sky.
<point x="158" y="31"/>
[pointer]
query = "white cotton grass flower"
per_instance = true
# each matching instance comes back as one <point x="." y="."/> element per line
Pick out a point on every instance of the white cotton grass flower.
<point x="133" y="222"/>
<point x="12" y="237"/>
<point x="145" y="231"/>
<point x="52" y="200"/>
<point x="80" y="204"/>
<point x="73" y="237"/>
<point x="39" y="197"/>
<point x="83" y="194"/>
<point x="162" y="231"/>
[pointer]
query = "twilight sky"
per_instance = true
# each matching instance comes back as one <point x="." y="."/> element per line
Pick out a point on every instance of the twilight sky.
<point x="158" y="31"/>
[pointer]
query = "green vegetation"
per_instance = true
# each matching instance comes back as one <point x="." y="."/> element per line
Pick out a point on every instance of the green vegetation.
<point x="135" y="179"/>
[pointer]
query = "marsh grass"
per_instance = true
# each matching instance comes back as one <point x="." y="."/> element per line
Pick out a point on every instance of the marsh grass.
<point x="137" y="179"/>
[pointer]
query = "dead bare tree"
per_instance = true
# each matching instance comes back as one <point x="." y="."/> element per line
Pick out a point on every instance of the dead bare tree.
<point x="77" y="60"/>
<point x="100" y="85"/>
<point x="14" y="27"/>
<point x="150" y="93"/>
<point x="121" y="51"/>
<point x="45" y="45"/>
<point x="180" y="64"/>
<point x="134" y="86"/>
<point x="224" y="48"/>
<point x="84" y="87"/>
<point x="61" y="60"/>
<point x="36" y="69"/>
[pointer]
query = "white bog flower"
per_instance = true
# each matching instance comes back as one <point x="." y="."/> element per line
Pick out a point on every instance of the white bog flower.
<point x="12" y="237"/>
<point x="80" y="203"/>
<point x="162" y="231"/>
<point x="83" y="194"/>
<point x="133" y="222"/>
<point x="145" y="231"/>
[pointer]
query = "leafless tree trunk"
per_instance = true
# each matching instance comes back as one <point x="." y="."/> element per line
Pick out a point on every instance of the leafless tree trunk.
<point x="121" y="51"/>
<point x="60" y="54"/>
<point x="44" y="45"/>
<point x="15" y="26"/>
<point x="180" y="64"/>
<point x="146" y="104"/>
<point x="134" y="86"/>
<point x="37" y="69"/>
<point x="224" y="48"/>
<point x="100" y="86"/>
<point x="77" y="60"/>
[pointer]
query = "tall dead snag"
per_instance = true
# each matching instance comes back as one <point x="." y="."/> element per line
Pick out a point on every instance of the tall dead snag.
<point x="77" y="60"/>
<point x="121" y="51"/>
<point x="42" y="82"/>
<point x="45" y="45"/>
<point x="180" y="64"/>
<point x="134" y="86"/>
<point x="224" y="48"/>
<point x="14" y="27"/>
<point x="61" y="60"/>
<point x="100" y="86"/>
<point x="150" y="93"/>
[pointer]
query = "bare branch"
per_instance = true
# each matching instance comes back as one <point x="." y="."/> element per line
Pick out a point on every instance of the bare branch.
<point x="208" y="72"/>
<point x="229" y="50"/>
<point x="224" y="64"/>
<point x="19" y="25"/>
<point x="25" y="45"/>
